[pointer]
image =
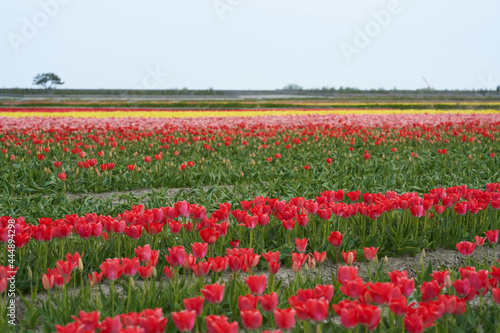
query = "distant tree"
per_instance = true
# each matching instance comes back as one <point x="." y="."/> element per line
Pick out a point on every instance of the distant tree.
<point x="292" y="87"/>
<point x="498" y="88"/>
<point x="47" y="80"/>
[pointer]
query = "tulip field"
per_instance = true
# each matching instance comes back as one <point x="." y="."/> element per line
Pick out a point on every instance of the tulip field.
<point x="249" y="220"/>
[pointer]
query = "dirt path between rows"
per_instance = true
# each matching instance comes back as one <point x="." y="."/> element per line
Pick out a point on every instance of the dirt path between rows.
<point x="141" y="193"/>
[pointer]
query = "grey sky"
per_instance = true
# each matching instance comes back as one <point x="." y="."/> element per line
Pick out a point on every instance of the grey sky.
<point x="252" y="44"/>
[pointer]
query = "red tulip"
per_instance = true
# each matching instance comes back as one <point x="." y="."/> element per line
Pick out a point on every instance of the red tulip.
<point x="167" y="272"/>
<point x="399" y="306"/>
<point x="466" y="248"/>
<point x="177" y="256"/>
<point x="461" y="208"/>
<point x="317" y="309"/>
<point x="47" y="281"/>
<point x="349" y="257"/>
<point x="349" y="317"/>
<point x="134" y="231"/>
<point x="268" y="302"/>
<point x="369" y="316"/>
<point x="213" y="293"/>
<point x="218" y="264"/>
<point x="495" y="292"/>
<point x="370" y="252"/>
<point x="450" y="303"/>
<point x="492" y="236"/>
<point x="257" y="284"/>
<point x="65" y="267"/>
<point x="301" y="244"/>
<point x="174" y="226"/>
<point x="130" y="266"/>
<point x="235" y="244"/>
<point x="209" y="235"/>
<point x="252" y="319"/>
<point x="320" y="257"/>
<point x="62" y="176"/>
<point x="153" y="321"/>
<point x="95" y="278"/>
<point x="440" y="276"/>
<point x="248" y="302"/>
<point x="144" y="253"/>
<point x="353" y="289"/>
<point x="382" y="293"/>
<point x="335" y="238"/>
<point x="347" y="273"/>
<point x="199" y="250"/>
<point x="146" y="272"/>
<point x="288" y="224"/>
<point x="479" y="240"/>
<point x="184" y="320"/>
<point x="430" y="290"/>
<point x="112" y="269"/>
<point x="284" y="318"/>
<point x="462" y="287"/>
<point x="479" y="280"/>
<point x="274" y="267"/>
<point x="414" y="323"/>
<point x="194" y="304"/>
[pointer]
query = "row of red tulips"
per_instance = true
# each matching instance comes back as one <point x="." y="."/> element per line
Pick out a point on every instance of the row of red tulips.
<point x="254" y="213"/>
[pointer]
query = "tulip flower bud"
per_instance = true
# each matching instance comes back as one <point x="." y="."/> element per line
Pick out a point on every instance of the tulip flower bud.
<point x="386" y="261"/>
<point x="131" y="282"/>
<point x="311" y="263"/>
<point x="30" y="273"/>
<point x="383" y="155"/>
<point x="375" y="260"/>
<point x="80" y="264"/>
<point x="423" y="253"/>
<point x="447" y="281"/>
<point x="350" y="155"/>
<point x="121" y="171"/>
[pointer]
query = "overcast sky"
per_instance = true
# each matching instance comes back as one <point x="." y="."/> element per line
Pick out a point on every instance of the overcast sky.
<point x="252" y="44"/>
